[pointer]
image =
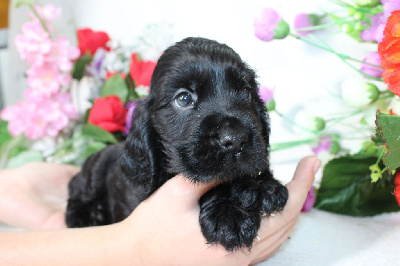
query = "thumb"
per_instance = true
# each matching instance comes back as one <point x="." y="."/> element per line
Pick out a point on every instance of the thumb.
<point x="186" y="192"/>
<point x="302" y="181"/>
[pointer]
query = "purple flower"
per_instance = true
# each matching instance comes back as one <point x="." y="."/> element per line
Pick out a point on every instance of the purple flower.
<point x="94" y="68"/>
<point x="375" y="32"/>
<point x="131" y="109"/>
<point x="269" y="25"/>
<point x="324" y="145"/>
<point x="267" y="96"/>
<point x="372" y="58"/>
<point x="305" y="21"/>
<point x="388" y="7"/>
<point x="310" y="200"/>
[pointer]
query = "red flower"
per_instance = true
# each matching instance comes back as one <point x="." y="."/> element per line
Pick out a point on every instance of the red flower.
<point x="389" y="51"/>
<point x="108" y="113"/>
<point x="397" y="187"/>
<point x="110" y="74"/>
<point x="141" y="71"/>
<point x="90" y="41"/>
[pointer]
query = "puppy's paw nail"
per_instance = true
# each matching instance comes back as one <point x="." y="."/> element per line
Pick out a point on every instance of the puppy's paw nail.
<point x="257" y="239"/>
<point x="273" y="214"/>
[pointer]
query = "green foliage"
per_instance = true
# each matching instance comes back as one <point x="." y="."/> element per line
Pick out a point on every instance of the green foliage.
<point x="24" y="158"/>
<point x="346" y="188"/>
<point x="4" y="135"/>
<point x="98" y="134"/>
<point x="388" y="134"/>
<point x="78" y="72"/>
<point x="93" y="147"/>
<point x="97" y="139"/>
<point x="115" y="85"/>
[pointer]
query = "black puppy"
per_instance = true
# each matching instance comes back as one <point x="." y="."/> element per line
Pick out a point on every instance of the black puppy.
<point x="203" y="118"/>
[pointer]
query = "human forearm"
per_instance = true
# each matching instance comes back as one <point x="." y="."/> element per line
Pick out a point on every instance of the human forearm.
<point x="86" y="246"/>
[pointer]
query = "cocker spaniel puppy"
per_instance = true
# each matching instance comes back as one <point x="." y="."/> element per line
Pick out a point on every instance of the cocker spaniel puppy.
<point x="203" y="118"/>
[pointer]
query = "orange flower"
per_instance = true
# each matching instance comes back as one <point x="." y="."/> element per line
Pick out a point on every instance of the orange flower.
<point x="389" y="51"/>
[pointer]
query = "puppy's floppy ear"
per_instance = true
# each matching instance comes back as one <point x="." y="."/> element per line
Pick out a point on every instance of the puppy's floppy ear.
<point x="264" y="118"/>
<point x="141" y="160"/>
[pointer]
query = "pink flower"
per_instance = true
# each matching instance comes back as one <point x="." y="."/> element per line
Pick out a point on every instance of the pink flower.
<point x="40" y="116"/>
<point x="310" y="200"/>
<point x="388" y="7"/>
<point x="324" y="145"/>
<point x="266" y="94"/>
<point x="48" y="12"/>
<point x="33" y="43"/>
<point x="62" y="54"/>
<point x="47" y="80"/>
<point x="269" y="25"/>
<point x="372" y="58"/>
<point x="375" y="32"/>
<point x="305" y="21"/>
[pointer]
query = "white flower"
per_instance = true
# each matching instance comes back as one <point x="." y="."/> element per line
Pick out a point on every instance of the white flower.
<point x="81" y="92"/>
<point x="394" y="105"/>
<point x="358" y="93"/>
<point x="305" y="121"/>
<point x="153" y="40"/>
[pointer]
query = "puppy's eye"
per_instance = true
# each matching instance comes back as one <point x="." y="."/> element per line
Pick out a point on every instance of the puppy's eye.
<point x="184" y="100"/>
<point x="245" y="93"/>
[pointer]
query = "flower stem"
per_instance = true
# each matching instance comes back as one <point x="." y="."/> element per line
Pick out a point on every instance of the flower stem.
<point x="328" y="49"/>
<point x="294" y="123"/>
<point x="343" y="117"/>
<point x="342" y="57"/>
<point x="8" y="148"/>
<point x="359" y="9"/>
<point x="290" y="144"/>
<point x="324" y="26"/>
<point x="29" y="3"/>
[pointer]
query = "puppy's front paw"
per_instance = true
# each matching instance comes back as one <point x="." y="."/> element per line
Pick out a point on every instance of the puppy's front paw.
<point x="274" y="196"/>
<point x="230" y="215"/>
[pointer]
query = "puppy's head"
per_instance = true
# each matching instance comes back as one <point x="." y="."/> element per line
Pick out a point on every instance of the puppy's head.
<point x="205" y="107"/>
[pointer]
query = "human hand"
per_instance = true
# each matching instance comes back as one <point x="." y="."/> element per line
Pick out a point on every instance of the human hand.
<point x="165" y="227"/>
<point x="34" y="196"/>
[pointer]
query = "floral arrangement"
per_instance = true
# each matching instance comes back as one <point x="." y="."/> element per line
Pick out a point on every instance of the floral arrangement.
<point x="366" y="182"/>
<point x="81" y="98"/>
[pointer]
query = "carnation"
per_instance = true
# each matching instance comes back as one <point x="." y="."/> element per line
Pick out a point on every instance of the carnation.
<point x="358" y="93"/>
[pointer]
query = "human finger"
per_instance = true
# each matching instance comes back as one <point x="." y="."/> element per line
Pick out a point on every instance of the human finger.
<point x="183" y="192"/>
<point x="298" y="188"/>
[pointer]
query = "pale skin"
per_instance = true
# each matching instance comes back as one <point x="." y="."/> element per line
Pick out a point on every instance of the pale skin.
<point x="162" y="230"/>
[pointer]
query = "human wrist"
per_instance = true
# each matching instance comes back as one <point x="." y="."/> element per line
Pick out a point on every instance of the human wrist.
<point x="123" y="246"/>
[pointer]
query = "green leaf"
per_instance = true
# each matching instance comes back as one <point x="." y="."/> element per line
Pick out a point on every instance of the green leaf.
<point x="80" y="65"/>
<point x="98" y="134"/>
<point x="4" y="135"/>
<point x="388" y="134"/>
<point x="25" y="157"/>
<point x="346" y="188"/>
<point x="115" y="85"/>
<point x="93" y="147"/>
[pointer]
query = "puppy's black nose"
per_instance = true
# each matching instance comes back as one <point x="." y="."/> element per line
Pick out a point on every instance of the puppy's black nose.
<point x="232" y="142"/>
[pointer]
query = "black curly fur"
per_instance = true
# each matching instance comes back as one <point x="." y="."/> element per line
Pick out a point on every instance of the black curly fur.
<point x="224" y="135"/>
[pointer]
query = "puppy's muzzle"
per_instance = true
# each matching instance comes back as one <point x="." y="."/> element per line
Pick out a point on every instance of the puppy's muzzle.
<point x="230" y="135"/>
<point x="231" y="141"/>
